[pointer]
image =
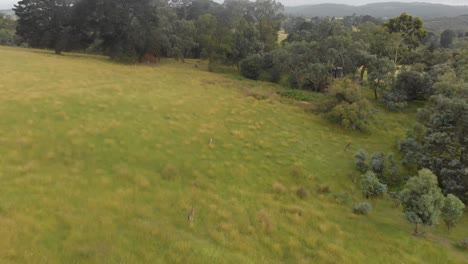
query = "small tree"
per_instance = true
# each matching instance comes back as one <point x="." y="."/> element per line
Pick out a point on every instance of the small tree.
<point x="251" y="67"/>
<point x="361" y="165"/>
<point x="452" y="210"/>
<point x="414" y="85"/>
<point x="371" y="187"/>
<point x="447" y="37"/>
<point x="422" y="199"/>
<point x="349" y="108"/>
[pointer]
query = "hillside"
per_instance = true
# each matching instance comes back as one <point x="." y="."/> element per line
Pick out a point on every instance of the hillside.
<point x="101" y="162"/>
<point x="458" y="24"/>
<point x="7" y="12"/>
<point x="383" y="10"/>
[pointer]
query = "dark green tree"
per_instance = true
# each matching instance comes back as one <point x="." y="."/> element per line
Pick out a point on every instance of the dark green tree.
<point x="447" y="37"/>
<point x="414" y="85"/>
<point x="45" y="23"/>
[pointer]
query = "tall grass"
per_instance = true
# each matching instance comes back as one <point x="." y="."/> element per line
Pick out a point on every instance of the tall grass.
<point x="100" y="163"/>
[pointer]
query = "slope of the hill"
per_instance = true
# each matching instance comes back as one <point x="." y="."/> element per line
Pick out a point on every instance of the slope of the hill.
<point x="101" y="162"/>
<point x="457" y="24"/>
<point x="382" y="10"/>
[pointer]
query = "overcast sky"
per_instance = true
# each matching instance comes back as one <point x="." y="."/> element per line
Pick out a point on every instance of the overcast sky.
<point x="5" y="4"/>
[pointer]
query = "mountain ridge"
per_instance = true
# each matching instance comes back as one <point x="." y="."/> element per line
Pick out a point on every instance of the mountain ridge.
<point x="382" y="10"/>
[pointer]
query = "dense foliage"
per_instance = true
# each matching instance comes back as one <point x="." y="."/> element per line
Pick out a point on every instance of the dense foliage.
<point x="148" y="29"/>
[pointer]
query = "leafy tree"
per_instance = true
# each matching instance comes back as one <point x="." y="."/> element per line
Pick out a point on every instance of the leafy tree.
<point x="447" y="37"/>
<point x="268" y="17"/>
<point x="349" y="108"/>
<point x="443" y="146"/>
<point x="131" y="28"/>
<point x="294" y="59"/>
<point x="411" y="29"/>
<point x="381" y="72"/>
<point x="414" y="85"/>
<point x="202" y="7"/>
<point x="245" y="41"/>
<point x="371" y="187"/>
<point x="207" y="26"/>
<point x="44" y="23"/>
<point x="421" y="199"/>
<point x="183" y="39"/>
<point x="251" y="67"/>
<point x="452" y="210"/>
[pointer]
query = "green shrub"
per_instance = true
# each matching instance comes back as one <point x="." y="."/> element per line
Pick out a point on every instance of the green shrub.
<point x="371" y="187"/>
<point x="361" y="165"/>
<point x="414" y="85"/>
<point x="362" y="208"/>
<point x="348" y="109"/>
<point x="463" y="244"/>
<point x="251" y="67"/>
<point x="299" y="95"/>
<point x="302" y="193"/>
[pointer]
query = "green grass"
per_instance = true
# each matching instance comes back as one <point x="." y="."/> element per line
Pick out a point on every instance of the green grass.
<point x="101" y="162"/>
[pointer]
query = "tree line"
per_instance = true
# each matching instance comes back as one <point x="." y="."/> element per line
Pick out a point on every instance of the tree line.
<point x="151" y="29"/>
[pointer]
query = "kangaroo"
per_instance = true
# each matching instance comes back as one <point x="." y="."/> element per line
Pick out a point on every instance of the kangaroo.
<point x="191" y="214"/>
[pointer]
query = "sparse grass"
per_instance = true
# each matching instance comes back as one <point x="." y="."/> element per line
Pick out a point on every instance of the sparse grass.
<point x="100" y="163"/>
<point x="282" y="36"/>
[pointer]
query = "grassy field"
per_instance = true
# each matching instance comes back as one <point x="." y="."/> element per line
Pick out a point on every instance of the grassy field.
<point x="101" y="162"/>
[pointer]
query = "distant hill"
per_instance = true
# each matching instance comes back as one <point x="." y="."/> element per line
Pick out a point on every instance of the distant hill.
<point x="458" y="24"/>
<point x="382" y="10"/>
<point x="7" y="13"/>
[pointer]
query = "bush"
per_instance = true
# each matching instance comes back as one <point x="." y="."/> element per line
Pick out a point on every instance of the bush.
<point x="302" y="193"/>
<point x="371" y="187"/>
<point x="463" y="244"/>
<point x="349" y="109"/>
<point x="362" y="208"/>
<point x="394" y="100"/>
<point x="413" y="85"/>
<point x="361" y="165"/>
<point x="452" y="210"/>
<point x="251" y="67"/>
<point x="377" y="163"/>
<point x="353" y="116"/>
